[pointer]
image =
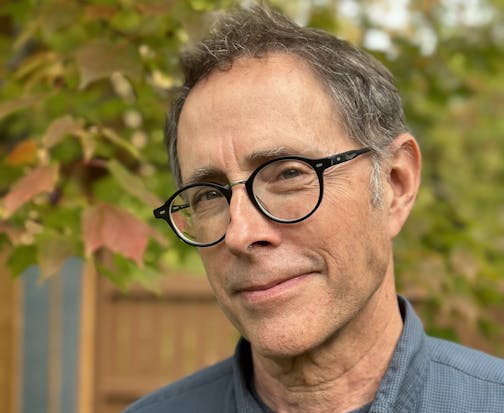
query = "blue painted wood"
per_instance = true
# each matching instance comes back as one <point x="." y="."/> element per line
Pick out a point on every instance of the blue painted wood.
<point x="36" y="338"/>
<point x="35" y="343"/>
<point x="71" y="277"/>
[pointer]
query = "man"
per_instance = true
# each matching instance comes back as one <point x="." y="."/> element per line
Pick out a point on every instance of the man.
<point x="296" y="171"/>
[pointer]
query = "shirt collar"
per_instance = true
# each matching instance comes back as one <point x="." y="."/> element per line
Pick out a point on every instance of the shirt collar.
<point x="400" y="385"/>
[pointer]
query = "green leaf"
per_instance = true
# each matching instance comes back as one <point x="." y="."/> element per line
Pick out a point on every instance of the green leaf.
<point x="116" y="139"/>
<point x="132" y="184"/>
<point x="21" y="258"/>
<point x="52" y="251"/>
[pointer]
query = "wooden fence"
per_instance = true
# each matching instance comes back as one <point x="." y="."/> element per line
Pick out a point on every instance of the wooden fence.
<point x="75" y="343"/>
<point x="145" y="340"/>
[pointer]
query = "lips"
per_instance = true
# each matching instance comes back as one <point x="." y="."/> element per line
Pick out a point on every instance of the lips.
<point x="265" y="286"/>
<point x="273" y="290"/>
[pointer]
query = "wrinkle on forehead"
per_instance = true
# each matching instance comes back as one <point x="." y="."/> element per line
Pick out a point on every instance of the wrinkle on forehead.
<point x="255" y="159"/>
<point x="259" y="109"/>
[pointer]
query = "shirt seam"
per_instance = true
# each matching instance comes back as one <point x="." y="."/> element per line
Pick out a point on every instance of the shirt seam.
<point x="484" y="379"/>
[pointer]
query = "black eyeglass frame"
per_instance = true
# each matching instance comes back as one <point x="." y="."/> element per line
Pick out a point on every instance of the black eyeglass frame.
<point x="318" y="165"/>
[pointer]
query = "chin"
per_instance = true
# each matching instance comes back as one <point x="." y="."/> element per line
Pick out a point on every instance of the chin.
<point x="281" y="342"/>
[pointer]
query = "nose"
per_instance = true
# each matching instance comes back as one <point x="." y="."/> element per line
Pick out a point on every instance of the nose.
<point x="249" y="229"/>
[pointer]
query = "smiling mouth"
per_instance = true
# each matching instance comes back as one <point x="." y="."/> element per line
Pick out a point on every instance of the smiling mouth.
<point x="273" y="291"/>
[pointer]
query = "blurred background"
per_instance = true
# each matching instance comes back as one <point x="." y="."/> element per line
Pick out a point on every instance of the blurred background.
<point x="99" y="304"/>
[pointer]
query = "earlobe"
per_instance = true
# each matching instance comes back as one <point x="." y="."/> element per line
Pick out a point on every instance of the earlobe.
<point x="403" y="176"/>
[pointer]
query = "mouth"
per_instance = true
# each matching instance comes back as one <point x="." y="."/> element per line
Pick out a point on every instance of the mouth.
<point x="273" y="291"/>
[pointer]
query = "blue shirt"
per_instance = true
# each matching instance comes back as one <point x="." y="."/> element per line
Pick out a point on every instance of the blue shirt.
<point x="425" y="375"/>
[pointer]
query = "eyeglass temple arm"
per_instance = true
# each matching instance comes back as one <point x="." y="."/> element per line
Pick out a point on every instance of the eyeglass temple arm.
<point x="347" y="156"/>
<point x="163" y="210"/>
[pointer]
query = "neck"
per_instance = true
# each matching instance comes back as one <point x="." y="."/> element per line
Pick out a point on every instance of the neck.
<point x="344" y="372"/>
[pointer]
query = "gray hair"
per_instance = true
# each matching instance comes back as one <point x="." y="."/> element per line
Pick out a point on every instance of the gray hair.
<point x="363" y="90"/>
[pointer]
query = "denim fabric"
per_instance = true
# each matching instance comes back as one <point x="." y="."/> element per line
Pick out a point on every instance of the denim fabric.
<point x="425" y="375"/>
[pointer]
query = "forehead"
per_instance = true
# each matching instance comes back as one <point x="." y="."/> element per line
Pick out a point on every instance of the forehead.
<point x="258" y="105"/>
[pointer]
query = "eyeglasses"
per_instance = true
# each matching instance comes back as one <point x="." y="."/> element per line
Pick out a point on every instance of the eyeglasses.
<point x="286" y="190"/>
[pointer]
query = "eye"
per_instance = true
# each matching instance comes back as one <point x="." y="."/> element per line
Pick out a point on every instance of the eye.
<point x="289" y="173"/>
<point x="205" y="196"/>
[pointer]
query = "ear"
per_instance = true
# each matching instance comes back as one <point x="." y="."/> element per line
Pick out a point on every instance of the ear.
<point x="403" y="179"/>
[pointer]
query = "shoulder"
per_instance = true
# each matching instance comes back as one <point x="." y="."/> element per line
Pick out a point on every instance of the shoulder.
<point x="463" y="379"/>
<point x="462" y="360"/>
<point x="207" y="389"/>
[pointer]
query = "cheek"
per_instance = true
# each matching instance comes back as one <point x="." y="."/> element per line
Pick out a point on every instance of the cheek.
<point x="210" y="260"/>
<point x="351" y="234"/>
<point x="340" y="217"/>
<point x="217" y="264"/>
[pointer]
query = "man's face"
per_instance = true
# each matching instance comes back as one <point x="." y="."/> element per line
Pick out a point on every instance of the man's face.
<point x="288" y="288"/>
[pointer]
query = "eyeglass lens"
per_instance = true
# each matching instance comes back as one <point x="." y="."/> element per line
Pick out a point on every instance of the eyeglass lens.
<point x="285" y="190"/>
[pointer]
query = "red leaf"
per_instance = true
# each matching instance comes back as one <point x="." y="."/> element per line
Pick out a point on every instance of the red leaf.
<point x="37" y="181"/>
<point x="113" y="228"/>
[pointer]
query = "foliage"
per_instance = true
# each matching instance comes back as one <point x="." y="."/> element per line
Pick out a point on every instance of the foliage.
<point x="83" y="93"/>
<point x="85" y="87"/>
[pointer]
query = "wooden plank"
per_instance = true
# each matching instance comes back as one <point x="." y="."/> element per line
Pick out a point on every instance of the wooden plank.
<point x="9" y="338"/>
<point x="87" y="356"/>
<point x="54" y="378"/>
<point x="147" y="339"/>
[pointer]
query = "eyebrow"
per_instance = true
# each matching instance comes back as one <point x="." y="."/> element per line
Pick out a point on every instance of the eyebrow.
<point x="256" y="158"/>
<point x="205" y="174"/>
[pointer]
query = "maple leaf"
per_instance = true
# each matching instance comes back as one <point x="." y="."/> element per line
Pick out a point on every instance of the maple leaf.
<point x="37" y="181"/>
<point x="65" y="125"/>
<point x="108" y="226"/>
<point x="99" y="59"/>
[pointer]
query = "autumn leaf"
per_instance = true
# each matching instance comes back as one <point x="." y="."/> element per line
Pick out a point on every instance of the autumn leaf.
<point x="151" y="9"/>
<point x="37" y="181"/>
<point x="12" y="105"/>
<point x="99" y="59"/>
<point x="113" y="228"/>
<point x="99" y="12"/>
<point x="24" y="153"/>
<point x="59" y="128"/>
<point x="56" y="15"/>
